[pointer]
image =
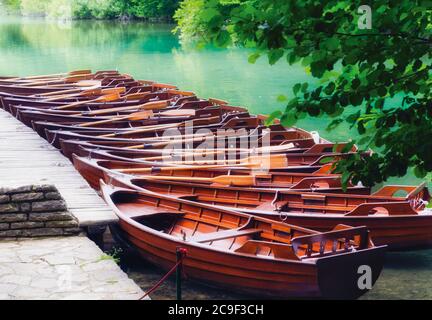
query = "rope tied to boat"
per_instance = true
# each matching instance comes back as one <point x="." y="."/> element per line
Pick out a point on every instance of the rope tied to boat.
<point x="183" y="252"/>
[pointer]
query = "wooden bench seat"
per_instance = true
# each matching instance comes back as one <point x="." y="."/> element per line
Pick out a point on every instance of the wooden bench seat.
<point x="225" y="234"/>
<point x="279" y="250"/>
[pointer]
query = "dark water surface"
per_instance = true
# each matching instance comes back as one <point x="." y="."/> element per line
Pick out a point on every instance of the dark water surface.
<point x="152" y="52"/>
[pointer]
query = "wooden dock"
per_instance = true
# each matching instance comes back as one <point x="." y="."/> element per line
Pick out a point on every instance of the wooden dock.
<point x="26" y="158"/>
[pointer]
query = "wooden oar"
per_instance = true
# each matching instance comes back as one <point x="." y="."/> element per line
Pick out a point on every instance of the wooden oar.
<point x="177" y="113"/>
<point x="163" y="86"/>
<point x="178" y="168"/>
<point x="179" y="141"/>
<point x="274" y="161"/>
<point x="217" y="101"/>
<point x="152" y="105"/>
<point x="206" y="152"/>
<point x="70" y="79"/>
<point x="106" y="98"/>
<point x="181" y="93"/>
<point x="165" y="143"/>
<point x="135" y="96"/>
<point x="88" y="92"/>
<point x="228" y="180"/>
<point x="136" y="116"/>
<point x="142" y="129"/>
<point x="55" y="75"/>
<point x="159" y="127"/>
<point x="80" y="86"/>
<point x="171" y="137"/>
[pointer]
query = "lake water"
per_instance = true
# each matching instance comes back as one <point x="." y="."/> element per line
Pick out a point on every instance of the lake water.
<point x="152" y="52"/>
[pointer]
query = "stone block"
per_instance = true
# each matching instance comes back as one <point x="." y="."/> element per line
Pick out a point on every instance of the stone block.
<point x="72" y="231"/>
<point x="9" y="207"/>
<point x="31" y="196"/>
<point x="44" y="188"/>
<point x="26" y="225"/>
<point x="4" y="226"/>
<point x="49" y="216"/>
<point x="18" y="190"/>
<point x="61" y="224"/>
<point x="13" y="217"/>
<point x="52" y="196"/>
<point x="42" y="232"/>
<point x="11" y="233"/>
<point x="52" y="205"/>
<point x="25" y="207"/>
<point x="4" y="198"/>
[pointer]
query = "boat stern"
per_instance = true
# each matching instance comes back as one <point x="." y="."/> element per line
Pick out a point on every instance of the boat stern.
<point x="350" y="275"/>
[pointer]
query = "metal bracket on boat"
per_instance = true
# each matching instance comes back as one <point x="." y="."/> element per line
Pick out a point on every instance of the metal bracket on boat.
<point x="18" y="115"/>
<point x="183" y="234"/>
<point x="155" y="170"/>
<point x="313" y="187"/>
<point x="90" y="153"/>
<point x="110" y="179"/>
<point x="283" y="216"/>
<point x="422" y="202"/>
<point x="53" y="139"/>
<point x="273" y="203"/>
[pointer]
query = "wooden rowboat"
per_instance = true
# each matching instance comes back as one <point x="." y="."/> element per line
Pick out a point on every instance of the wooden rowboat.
<point x="399" y="222"/>
<point x="243" y="253"/>
<point x="93" y="170"/>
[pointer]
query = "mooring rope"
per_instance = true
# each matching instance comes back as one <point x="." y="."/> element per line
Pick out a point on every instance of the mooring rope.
<point x="162" y="280"/>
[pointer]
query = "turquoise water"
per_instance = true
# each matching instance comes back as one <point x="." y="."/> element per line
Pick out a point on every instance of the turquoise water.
<point x="152" y="52"/>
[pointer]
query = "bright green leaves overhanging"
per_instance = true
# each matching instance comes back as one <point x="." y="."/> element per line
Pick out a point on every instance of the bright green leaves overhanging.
<point x="377" y="80"/>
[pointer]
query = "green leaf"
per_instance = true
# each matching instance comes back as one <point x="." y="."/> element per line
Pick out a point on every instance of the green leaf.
<point x="274" y="115"/>
<point x="346" y="176"/>
<point x="334" y="124"/>
<point x="379" y="104"/>
<point x="356" y="99"/>
<point x="296" y="88"/>
<point x="331" y="43"/>
<point x="329" y="88"/>
<point x="420" y="172"/>
<point x="254" y="57"/>
<point x="382" y="91"/>
<point x="348" y="147"/>
<point x="209" y="14"/>
<point x="364" y="140"/>
<point x="281" y="98"/>
<point x="275" y="55"/>
<point x="304" y="87"/>
<point x="352" y="118"/>
<point x="360" y="127"/>
<point x="288" y="119"/>
<point x="223" y="38"/>
<point x="326" y="160"/>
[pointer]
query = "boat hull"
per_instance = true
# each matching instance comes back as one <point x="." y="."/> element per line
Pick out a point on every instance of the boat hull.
<point x="333" y="278"/>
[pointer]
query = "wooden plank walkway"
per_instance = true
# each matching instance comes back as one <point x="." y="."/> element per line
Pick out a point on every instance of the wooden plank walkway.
<point x="26" y="158"/>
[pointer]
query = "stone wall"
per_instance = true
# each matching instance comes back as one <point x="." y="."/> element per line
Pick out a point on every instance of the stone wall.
<point x="34" y="211"/>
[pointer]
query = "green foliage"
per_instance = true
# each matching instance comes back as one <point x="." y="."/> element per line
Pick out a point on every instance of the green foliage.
<point x="377" y="80"/>
<point x="152" y="8"/>
<point x="114" y="255"/>
<point x="97" y="9"/>
<point x="187" y="22"/>
<point x="11" y="5"/>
